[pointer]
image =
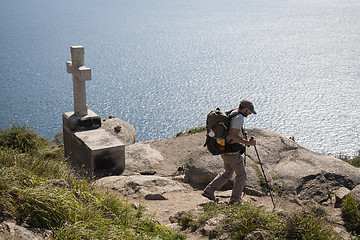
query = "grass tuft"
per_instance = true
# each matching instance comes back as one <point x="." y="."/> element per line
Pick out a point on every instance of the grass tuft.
<point x="21" y="139"/>
<point x="351" y="213"/>
<point x="354" y="161"/>
<point x="191" y="131"/>
<point x="251" y="222"/>
<point x="306" y="225"/>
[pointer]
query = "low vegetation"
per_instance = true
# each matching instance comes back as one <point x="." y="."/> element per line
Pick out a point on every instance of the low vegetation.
<point x="38" y="189"/>
<point x="191" y="131"/>
<point x="247" y="220"/>
<point x="355" y="160"/>
<point x="351" y="214"/>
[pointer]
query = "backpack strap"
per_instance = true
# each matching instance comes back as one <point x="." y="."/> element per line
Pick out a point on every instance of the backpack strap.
<point x="232" y="113"/>
<point x="244" y="132"/>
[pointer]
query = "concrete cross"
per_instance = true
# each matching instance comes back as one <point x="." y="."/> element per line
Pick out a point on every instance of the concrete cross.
<point x="80" y="74"/>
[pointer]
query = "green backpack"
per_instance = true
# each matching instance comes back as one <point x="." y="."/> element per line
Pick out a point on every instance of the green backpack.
<point x="218" y="128"/>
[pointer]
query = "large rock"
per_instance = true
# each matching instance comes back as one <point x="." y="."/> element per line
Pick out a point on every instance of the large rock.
<point x="9" y="229"/>
<point x="340" y="194"/>
<point x="124" y="131"/>
<point x="203" y="170"/>
<point x="292" y="168"/>
<point x="141" y="157"/>
<point x="140" y="185"/>
<point x="295" y="169"/>
<point x="356" y="194"/>
<point x="309" y="174"/>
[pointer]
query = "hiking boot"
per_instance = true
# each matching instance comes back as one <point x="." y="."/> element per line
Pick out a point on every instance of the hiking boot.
<point x="208" y="195"/>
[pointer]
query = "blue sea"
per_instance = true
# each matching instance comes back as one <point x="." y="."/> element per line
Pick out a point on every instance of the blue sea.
<point x="162" y="65"/>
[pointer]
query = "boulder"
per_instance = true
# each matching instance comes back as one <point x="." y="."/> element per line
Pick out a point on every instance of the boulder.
<point x="149" y="187"/>
<point x="202" y="171"/>
<point x="293" y="168"/>
<point x="356" y="194"/>
<point x="9" y="229"/>
<point x="340" y="194"/>
<point x="124" y="131"/>
<point x="308" y="174"/>
<point x="141" y="158"/>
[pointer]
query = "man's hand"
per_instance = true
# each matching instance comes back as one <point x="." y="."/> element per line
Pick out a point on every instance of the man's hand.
<point x="252" y="141"/>
<point x="234" y="135"/>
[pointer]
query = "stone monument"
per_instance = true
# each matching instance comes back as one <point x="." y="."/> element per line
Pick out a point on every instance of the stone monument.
<point x="90" y="149"/>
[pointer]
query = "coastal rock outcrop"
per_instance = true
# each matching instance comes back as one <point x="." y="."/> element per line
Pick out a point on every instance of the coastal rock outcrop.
<point x="176" y="170"/>
<point x="297" y="170"/>
<point x="293" y="169"/>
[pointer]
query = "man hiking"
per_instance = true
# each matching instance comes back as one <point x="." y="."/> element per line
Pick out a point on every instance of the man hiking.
<point x="233" y="162"/>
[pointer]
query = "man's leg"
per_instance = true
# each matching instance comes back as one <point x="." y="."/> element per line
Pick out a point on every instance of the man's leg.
<point x="237" y="164"/>
<point x="219" y="180"/>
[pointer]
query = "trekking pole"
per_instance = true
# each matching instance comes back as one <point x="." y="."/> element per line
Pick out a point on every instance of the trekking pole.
<point x="262" y="169"/>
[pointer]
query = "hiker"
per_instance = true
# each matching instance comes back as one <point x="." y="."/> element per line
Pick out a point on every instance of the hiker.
<point x="233" y="162"/>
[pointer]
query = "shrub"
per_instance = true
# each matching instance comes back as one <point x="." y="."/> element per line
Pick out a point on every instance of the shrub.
<point x="246" y="218"/>
<point x="21" y="139"/>
<point x="249" y="221"/>
<point x="239" y="220"/>
<point x="187" y="221"/>
<point x="354" y="161"/>
<point x="351" y="213"/>
<point x="306" y="225"/>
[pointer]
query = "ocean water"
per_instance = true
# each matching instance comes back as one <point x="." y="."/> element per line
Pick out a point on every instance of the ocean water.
<point x="162" y="65"/>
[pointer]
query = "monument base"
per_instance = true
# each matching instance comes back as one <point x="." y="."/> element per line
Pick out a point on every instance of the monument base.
<point x="91" y="150"/>
<point x="97" y="152"/>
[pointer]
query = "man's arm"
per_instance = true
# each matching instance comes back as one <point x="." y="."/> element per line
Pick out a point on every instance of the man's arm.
<point x="234" y="135"/>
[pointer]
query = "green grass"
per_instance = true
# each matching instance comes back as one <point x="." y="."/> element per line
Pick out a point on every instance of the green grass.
<point x="74" y="210"/>
<point x="264" y="186"/>
<point x="351" y="213"/>
<point x="241" y="221"/>
<point x="354" y="161"/>
<point x="21" y="139"/>
<point x="191" y="131"/>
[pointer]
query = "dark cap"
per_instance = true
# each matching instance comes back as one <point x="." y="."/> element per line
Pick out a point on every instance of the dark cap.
<point x="247" y="104"/>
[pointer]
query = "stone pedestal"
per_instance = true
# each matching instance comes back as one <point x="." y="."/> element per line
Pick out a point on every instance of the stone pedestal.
<point x="98" y="151"/>
<point x="90" y="149"/>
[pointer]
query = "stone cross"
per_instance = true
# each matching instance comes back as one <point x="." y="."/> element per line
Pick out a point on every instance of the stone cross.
<point x="80" y="74"/>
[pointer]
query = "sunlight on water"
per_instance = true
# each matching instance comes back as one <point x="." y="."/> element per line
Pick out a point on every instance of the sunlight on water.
<point x="163" y="65"/>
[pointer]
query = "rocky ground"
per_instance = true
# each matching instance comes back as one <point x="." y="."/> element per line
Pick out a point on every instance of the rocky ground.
<point x="167" y="176"/>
